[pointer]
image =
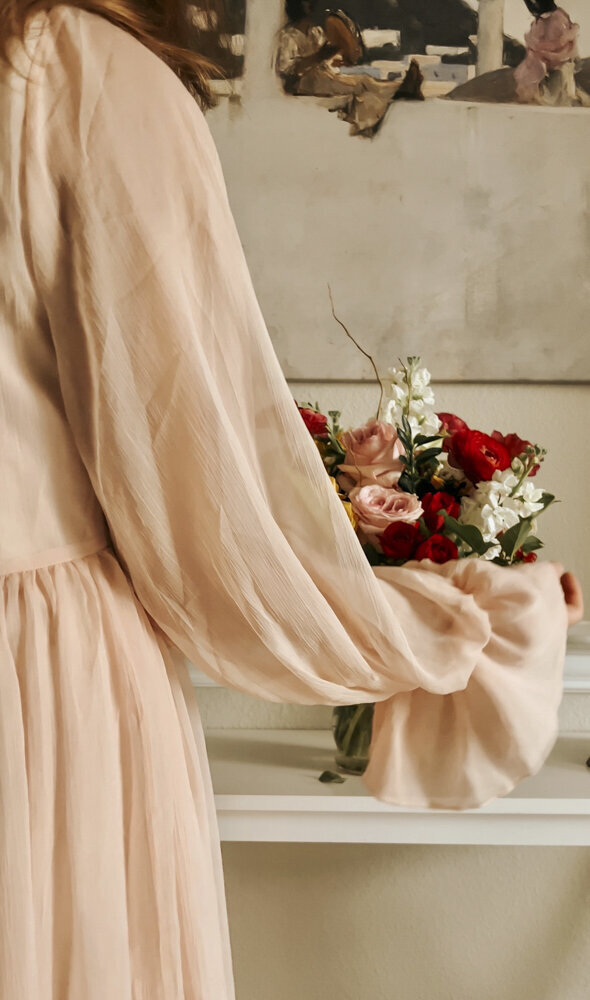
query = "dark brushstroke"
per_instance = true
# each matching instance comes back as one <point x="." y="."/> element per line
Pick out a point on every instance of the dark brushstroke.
<point x="539" y="7"/>
<point x="422" y="23"/>
<point x="499" y="87"/>
<point x="214" y="43"/>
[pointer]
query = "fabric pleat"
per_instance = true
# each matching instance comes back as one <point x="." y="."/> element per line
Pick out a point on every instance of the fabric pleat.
<point x="112" y="884"/>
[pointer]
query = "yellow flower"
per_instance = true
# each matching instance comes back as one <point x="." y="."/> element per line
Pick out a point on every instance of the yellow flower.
<point x="345" y="503"/>
<point x="351" y="514"/>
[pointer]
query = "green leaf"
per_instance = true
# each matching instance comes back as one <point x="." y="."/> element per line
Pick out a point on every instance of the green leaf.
<point x="512" y="539"/>
<point x="426" y="438"/>
<point x="531" y="544"/>
<point x="468" y="533"/>
<point x="373" y="557"/>
<point x="406" y="483"/>
<point x="427" y="454"/>
<point x="547" y="499"/>
<point x="332" y="777"/>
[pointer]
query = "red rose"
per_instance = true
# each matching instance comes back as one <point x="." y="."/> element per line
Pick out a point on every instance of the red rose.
<point x="478" y="454"/>
<point x="316" y="423"/>
<point x="450" y="424"/>
<point x="516" y="446"/>
<point x="399" y="540"/>
<point x="437" y="548"/>
<point x="433" y="504"/>
<point x="528" y="557"/>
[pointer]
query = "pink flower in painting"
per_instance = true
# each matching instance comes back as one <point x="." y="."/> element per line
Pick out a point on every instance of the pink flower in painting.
<point x="377" y="507"/>
<point x="372" y="455"/>
<point x="550" y="43"/>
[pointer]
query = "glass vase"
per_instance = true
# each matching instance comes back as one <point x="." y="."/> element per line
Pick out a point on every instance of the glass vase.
<point x="352" y="727"/>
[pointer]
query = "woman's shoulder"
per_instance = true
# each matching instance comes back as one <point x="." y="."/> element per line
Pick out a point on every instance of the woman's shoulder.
<point x="106" y="101"/>
<point x="97" y="72"/>
<point x="83" y="44"/>
<point x="69" y="20"/>
<point x="66" y="21"/>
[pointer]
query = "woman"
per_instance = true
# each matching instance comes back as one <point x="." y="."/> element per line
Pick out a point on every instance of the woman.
<point x="547" y="74"/>
<point x="143" y="408"/>
<point x="309" y="48"/>
<point x="308" y="57"/>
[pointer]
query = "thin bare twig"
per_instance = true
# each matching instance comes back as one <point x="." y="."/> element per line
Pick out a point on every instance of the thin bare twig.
<point x="356" y="344"/>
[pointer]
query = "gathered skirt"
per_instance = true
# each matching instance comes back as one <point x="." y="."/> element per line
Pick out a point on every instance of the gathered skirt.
<point x="111" y="880"/>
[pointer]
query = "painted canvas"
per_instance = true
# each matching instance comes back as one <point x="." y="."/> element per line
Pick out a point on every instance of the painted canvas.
<point x="376" y="52"/>
<point x="218" y="31"/>
<point x="459" y="232"/>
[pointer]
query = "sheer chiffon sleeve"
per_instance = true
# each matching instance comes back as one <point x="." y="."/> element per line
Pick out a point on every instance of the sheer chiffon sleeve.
<point x="218" y="504"/>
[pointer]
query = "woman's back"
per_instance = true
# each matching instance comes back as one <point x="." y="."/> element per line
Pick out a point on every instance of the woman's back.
<point x="46" y="500"/>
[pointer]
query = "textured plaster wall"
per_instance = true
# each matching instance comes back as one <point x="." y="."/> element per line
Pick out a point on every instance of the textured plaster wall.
<point x="381" y="922"/>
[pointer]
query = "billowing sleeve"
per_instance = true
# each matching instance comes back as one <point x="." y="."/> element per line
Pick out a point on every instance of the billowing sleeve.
<point x="217" y="501"/>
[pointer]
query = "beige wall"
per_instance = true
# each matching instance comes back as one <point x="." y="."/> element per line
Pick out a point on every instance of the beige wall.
<point x="381" y="922"/>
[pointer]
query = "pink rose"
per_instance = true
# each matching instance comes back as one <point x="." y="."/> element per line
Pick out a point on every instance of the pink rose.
<point x="372" y="456"/>
<point x="377" y="507"/>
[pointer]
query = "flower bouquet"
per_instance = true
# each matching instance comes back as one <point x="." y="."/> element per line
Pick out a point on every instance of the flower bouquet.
<point x="418" y="484"/>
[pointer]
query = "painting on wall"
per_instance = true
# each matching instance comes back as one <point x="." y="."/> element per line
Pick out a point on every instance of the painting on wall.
<point x="461" y="232"/>
<point x="218" y="32"/>
<point x="376" y="52"/>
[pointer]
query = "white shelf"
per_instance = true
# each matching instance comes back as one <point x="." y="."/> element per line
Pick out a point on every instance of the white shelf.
<point x="267" y="789"/>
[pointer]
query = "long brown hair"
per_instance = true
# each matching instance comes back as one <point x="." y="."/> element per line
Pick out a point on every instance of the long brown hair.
<point x="161" y="25"/>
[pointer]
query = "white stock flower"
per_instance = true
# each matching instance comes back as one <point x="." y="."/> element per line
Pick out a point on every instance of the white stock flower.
<point x="492" y="508"/>
<point x="502" y="482"/>
<point x="408" y="392"/>
<point x="491" y="518"/>
<point x="430" y="424"/>
<point x="420" y="379"/>
<point x="531" y="497"/>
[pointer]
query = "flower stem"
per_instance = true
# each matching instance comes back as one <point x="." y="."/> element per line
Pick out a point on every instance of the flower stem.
<point x="351" y="728"/>
<point x="528" y="465"/>
<point x="356" y="344"/>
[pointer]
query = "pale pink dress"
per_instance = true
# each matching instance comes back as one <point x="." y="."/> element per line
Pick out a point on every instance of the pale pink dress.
<point x="159" y="491"/>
